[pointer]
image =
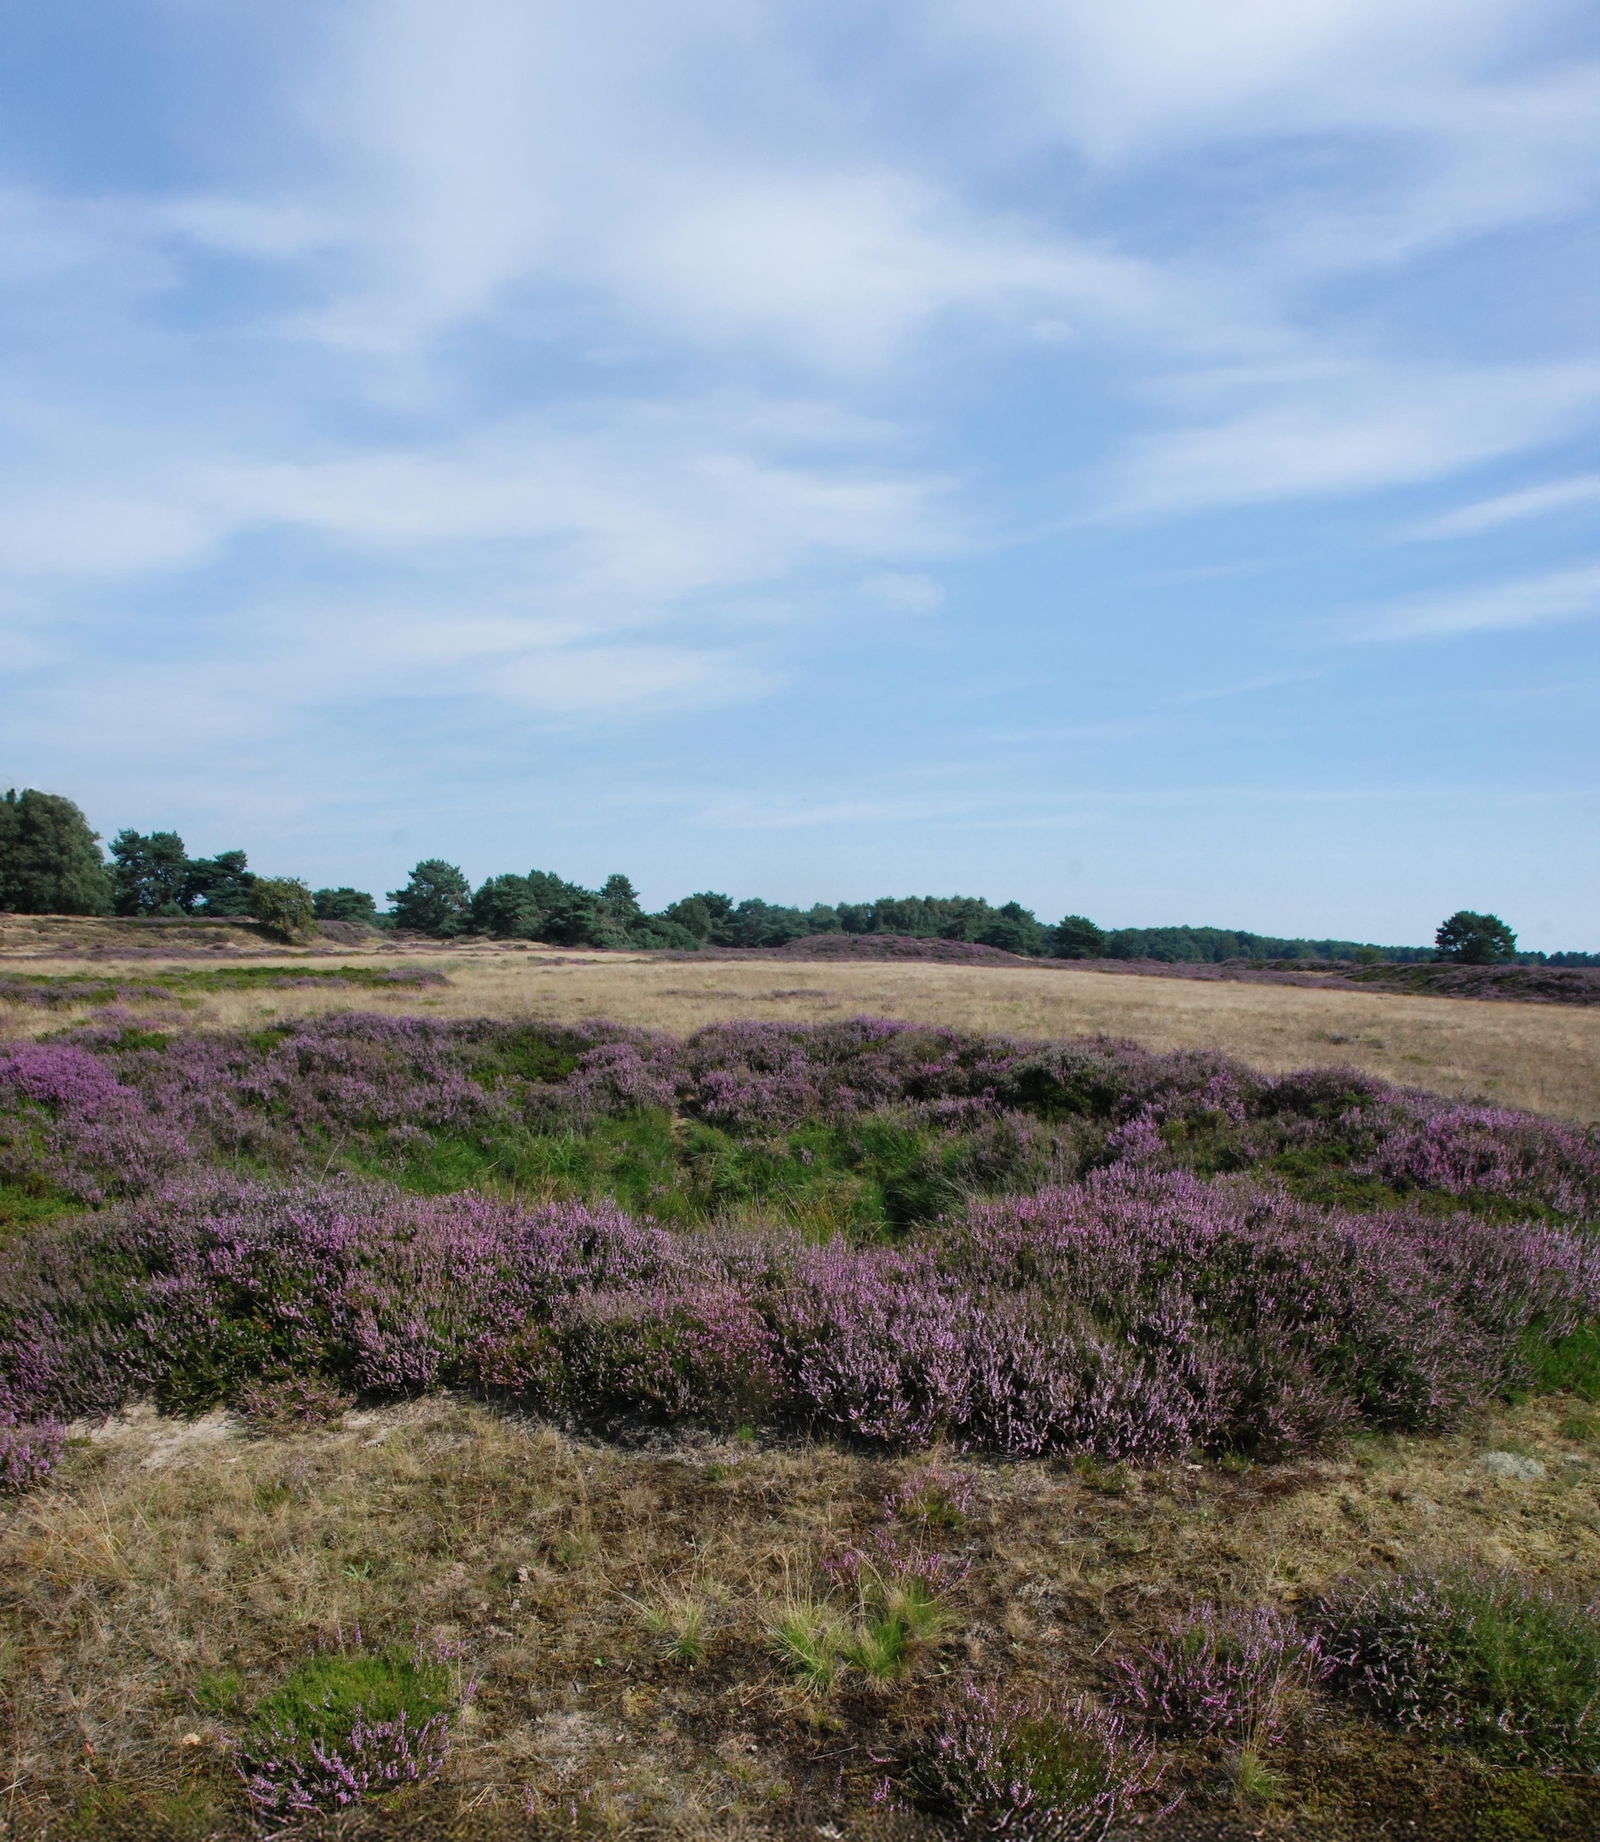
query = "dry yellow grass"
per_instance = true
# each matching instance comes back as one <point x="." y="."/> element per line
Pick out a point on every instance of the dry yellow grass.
<point x="1545" y="1057"/>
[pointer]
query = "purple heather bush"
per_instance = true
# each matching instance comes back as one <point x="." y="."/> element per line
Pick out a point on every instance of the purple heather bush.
<point x="348" y="1724"/>
<point x="1509" y="1667"/>
<point x="1231" y="1673"/>
<point x="65" y="1116"/>
<point x="1136" y="1315"/>
<point x="285" y="1778"/>
<point x="357" y="1086"/>
<point x="1133" y="1312"/>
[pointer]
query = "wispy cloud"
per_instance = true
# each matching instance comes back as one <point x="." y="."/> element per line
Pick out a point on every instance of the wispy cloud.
<point x="1339" y="429"/>
<point x="1512" y="507"/>
<point x="393" y="386"/>
<point x="1529" y="601"/>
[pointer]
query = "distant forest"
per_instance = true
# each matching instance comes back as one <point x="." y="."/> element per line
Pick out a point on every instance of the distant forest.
<point x="51" y="863"/>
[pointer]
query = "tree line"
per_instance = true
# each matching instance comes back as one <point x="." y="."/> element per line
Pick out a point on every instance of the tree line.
<point x="51" y="863"/>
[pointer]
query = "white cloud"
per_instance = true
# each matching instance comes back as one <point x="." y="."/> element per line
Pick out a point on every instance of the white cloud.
<point x="1127" y="80"/>
<point x="1378" y="131"/>
<point x="1512" y="507"/>
<point x="1530" y="601"/>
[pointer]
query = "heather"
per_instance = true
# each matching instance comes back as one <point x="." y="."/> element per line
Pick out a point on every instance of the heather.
<point x="1008" y="1763"/>
<point x="347" y="1724"/>
<point x="866" y="1125"/>
<point x="895" y="1233"/>
<point x="1138" y="1314"/>
<point x="1504" y="1666"/>
<point x="1239" y="1673"/>
<point x="1036" y="1324"/>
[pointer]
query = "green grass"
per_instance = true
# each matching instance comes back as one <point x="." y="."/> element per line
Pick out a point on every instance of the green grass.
<point x="219" y="1693"/>
<point x="1524" y="1806"/>
<point x="1322" y="1174"/>
<point x="1565" y="1365"/>
<point x="810" y="1639"/>
<point x="27" y="1201"/>
<point x="75" y="988"/>
<point x="1481" y="1660"/>
<point x="873" y="1179"/>
<point x="326" y="1695"/>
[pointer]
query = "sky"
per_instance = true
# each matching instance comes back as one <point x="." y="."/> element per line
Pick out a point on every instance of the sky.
<point x="1137" y="460"/>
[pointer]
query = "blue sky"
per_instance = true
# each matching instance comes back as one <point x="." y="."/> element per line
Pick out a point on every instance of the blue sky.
<point x="1137" y="459"/>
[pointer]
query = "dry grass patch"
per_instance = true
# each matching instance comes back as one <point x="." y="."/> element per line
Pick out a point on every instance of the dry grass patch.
<point x="658" y="1643"/>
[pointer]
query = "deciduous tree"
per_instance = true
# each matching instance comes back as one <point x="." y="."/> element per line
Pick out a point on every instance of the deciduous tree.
<point x="50" y="860"/>
<point x="283" y="905"/>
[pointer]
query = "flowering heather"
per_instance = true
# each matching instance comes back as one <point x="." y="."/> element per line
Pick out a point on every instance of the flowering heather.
<point x="1053" y="1279"/>
<point x="355" y="1086"/>
<point x="67" y="1119"/>
<point x="1230" y="1673"/>
<point x="1135" y="1315"/>
<point x="28" y="1453"/>
<point x="284" y="1777"/>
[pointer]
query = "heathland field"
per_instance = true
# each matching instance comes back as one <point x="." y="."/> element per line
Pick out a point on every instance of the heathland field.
<point x="1545" y="1057"/>
<point x="507" y="1393"/>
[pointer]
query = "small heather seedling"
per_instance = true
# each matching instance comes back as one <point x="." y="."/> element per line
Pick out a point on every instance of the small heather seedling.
<point x="28" y="1453"/>
<point x="932" y="1497"/>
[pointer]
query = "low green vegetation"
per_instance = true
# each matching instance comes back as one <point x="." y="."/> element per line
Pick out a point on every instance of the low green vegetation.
<point x="321" y="1701"/>
<point x="1487" y="1661"/>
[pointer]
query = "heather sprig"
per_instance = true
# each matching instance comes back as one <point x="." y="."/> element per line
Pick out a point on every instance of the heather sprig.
<point x="348" y="1724"/>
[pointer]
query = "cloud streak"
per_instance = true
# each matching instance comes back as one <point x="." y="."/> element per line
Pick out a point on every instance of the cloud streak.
<point x="1545" y="501"/>
<point x="1529" y="601"/>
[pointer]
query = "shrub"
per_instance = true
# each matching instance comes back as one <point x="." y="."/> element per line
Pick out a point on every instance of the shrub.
<point x="284" y="906"/>
<point x="344" y="1726"/>
<point x="1004" y="1764"/>
<point x="1507" y="1668"/>
<point x="1234" y="1674"/>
